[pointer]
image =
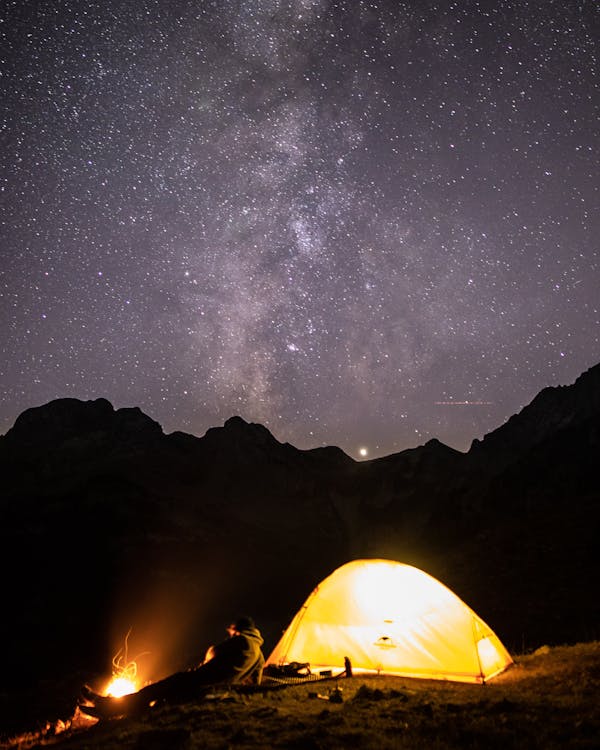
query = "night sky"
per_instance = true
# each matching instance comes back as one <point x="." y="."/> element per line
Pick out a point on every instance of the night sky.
<point x="359" y="223"/>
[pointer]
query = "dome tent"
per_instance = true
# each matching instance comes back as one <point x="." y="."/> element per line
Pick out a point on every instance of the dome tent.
<point x="391" y="618"/>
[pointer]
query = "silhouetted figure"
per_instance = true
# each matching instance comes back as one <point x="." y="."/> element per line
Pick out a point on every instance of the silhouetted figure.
<point x="347" y="667"/>
<point x="237" y="659"/>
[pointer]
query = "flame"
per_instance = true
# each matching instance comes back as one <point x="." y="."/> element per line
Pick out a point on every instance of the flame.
<point x="119" y="686"/>
<point x="124" y="680"/>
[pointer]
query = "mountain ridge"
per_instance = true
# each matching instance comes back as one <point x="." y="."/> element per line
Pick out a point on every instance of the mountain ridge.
<point x="107" y="522"/>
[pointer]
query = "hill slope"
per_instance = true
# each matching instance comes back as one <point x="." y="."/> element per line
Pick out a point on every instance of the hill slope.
<point x="107" y="523"/>
<point x="548" y="700"/>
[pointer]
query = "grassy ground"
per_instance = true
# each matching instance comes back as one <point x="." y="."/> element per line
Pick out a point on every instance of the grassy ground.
<point x="549" y="699"/>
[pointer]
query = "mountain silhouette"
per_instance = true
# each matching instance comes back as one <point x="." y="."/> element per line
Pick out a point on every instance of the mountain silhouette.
<point x="106" y="522"/>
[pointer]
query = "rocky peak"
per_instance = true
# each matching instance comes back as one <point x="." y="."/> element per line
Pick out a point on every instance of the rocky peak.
<point x="552" y="410"/>
<point x="236" y="432"/>
<point x="65" y="419"/>
<point x="60" y="420"/>
<point x="133" y="420"/>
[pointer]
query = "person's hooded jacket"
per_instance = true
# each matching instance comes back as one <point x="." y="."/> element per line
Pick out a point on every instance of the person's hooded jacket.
<point x="240" y="656"/>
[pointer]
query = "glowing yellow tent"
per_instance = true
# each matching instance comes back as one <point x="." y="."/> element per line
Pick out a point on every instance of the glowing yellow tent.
<point x="394" y="619"/>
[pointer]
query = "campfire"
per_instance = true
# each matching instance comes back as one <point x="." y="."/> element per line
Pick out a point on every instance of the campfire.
<point x="124" y="678"/>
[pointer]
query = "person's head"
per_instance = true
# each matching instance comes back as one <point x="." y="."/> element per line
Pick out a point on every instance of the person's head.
<point x="241" y="624"/>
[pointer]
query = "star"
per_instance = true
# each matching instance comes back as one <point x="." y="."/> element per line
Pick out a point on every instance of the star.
<point x="332" y="218"/>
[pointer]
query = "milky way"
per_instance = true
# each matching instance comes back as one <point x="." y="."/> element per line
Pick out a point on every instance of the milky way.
<point x="359" y="223"/>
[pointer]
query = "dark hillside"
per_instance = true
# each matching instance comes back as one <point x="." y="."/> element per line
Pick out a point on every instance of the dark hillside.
<point x="107" y="523"/>
<point x="546" y="701"/>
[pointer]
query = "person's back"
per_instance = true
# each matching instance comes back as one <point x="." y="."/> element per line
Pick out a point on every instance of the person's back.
<point x="238" y="658"/>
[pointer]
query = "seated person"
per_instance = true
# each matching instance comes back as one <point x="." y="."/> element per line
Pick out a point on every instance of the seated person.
<point x="237" y="659"/>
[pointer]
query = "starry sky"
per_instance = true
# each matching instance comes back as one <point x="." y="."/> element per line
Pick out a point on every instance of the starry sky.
<point x="359" y="223"/>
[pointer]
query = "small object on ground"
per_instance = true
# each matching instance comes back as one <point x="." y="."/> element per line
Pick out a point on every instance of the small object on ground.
<point x="335" y="696"/>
